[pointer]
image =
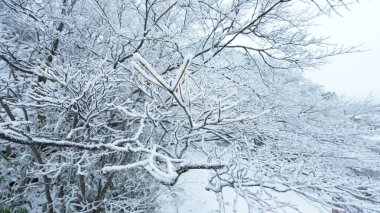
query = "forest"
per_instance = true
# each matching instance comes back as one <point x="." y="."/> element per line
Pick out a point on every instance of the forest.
<point x="106" y="105"/>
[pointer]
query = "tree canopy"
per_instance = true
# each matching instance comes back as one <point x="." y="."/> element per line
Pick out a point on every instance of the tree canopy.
<point x="103" y="103"/>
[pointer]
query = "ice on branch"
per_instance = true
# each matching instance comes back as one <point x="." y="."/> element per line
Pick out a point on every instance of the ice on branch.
<point x="181" y="72"/>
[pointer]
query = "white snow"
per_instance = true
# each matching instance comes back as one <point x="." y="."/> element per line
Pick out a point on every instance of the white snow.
<point x="190" y="195"/>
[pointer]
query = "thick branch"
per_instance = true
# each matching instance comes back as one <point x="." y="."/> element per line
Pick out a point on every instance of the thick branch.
<point x="19" y="138"/>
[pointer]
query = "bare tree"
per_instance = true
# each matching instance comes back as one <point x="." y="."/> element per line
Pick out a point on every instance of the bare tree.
<point x="103" y="100"/>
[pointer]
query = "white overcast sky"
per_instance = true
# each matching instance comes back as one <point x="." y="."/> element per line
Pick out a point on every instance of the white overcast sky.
<point x="353" y="75"/>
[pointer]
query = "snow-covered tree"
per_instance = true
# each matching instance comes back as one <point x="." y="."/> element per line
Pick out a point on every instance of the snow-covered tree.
<point x="104" y="102"/>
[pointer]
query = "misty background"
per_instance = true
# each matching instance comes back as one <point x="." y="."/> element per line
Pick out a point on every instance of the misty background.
<point x="352" y="75"/>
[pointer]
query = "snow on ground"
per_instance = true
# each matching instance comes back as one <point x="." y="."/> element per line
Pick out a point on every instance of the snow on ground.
<point x="189" y="195"/>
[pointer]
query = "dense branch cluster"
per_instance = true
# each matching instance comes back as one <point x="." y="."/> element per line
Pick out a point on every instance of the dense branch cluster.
<point x="104" y="103"/>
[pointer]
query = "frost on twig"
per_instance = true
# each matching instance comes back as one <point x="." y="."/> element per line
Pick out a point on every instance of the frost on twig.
<point x="87" y="124"/>
<point x="176" y="89"/>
